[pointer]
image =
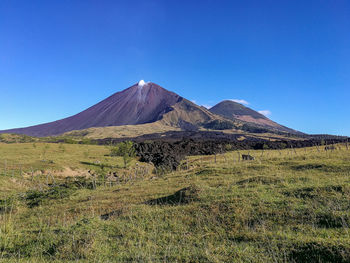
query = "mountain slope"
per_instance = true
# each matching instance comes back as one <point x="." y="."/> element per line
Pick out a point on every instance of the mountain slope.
<point x="186" y="112"/>
<point x="236" y="111"/>
<point x="141" y="103"/>
<point x="148" y="103"/>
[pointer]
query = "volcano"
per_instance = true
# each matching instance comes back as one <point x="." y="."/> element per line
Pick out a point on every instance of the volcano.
<point x="150" y="104"/>
<point x="237" y="112"/>
<point x="144" y="102"/>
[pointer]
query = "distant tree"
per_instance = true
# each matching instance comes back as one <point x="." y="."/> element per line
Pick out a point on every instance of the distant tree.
<point x="46" y="147"/>
<point x="283" y="145"/>
<point x="219" y="125"/>
<point x="253" y="129"/>
<point x="61" y="147"/>
<point x="228" y="147"/>
<point x="126" y="150"/>
<point x="86" y="141"/>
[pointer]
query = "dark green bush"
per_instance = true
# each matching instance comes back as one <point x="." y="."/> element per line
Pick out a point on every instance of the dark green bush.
<point x="219" y="125"/>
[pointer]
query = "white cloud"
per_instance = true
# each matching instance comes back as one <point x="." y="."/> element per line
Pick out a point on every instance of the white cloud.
<point x="194" y="101"/>
<point x="265" y="112"/>
<point x="244" y="102"/>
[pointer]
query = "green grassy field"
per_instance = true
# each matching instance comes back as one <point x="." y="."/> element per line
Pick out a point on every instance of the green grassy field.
<point x="284" y="206"/>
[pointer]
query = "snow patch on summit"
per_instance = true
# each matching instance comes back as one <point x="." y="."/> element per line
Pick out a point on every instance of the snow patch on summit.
<point x="141" y="96"/>
<point x="142" y="83"/>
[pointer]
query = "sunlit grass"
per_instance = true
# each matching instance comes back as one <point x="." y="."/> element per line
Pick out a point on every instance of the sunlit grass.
<point x="285" y="206"/>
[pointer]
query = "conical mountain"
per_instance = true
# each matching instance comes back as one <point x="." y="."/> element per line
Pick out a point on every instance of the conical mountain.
<point x="236" y="111"/>
<point x="138" y="104"/>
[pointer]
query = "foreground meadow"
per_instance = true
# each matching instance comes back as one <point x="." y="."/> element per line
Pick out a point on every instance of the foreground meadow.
<point x="285" y="206"/>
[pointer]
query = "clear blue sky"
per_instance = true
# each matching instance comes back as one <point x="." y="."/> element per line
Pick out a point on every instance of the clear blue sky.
<point x="292" y="58"/>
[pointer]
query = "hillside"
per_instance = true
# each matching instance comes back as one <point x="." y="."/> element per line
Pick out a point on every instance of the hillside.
<point x="153" y="109"/>
<point x="236" y="111"/>
<point x="183" y="116"/>
<point x="141" y="103"/>
<point x="285" y="206"/>
<point x="135" y="105"/>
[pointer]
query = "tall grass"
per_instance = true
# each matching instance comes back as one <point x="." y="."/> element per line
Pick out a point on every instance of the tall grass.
<point x="285" y="206"/>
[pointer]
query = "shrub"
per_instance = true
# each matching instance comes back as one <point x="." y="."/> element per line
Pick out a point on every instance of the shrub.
<point x="219" y="125"/>
<point x="126" y="150"/>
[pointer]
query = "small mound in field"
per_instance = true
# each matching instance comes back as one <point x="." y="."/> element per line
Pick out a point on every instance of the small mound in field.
<point x="55" y="192"/>
<point x="183" y="196"/>
<point x="320" y="167"/>
<point x="260" y="179"/>
<point x="206" y="172"/>
<point x="315" y="252"/>
<point x="309" y="166"/>
<point x="112" y="214"/>
<point x="313" y="192"/>
<point x="331" y="220"/>
<point x="35" y="197"/>
<point x="257" y="167"/>
<point x="335" y="188"/>
<point x="288" y="163"/>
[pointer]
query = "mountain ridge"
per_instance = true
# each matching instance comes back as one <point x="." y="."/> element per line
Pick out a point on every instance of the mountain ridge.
<point x="147" y="103"/>
<point x="139" y="104"/>
<point x="235" y="111"/>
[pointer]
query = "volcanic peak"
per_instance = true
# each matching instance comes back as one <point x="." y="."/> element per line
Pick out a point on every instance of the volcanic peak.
<point x="142" y="83"/>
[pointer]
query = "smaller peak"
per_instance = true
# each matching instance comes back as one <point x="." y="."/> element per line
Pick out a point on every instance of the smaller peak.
<point x="226" y="102"/>
<point x="235" y="102"/>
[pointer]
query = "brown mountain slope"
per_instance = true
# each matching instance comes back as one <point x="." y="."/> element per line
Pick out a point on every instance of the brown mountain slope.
<point x="148" y="103"/>
<point x="236" y="111"/>
<point x="186" y="111"/>
<point x="141" y="103"/>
